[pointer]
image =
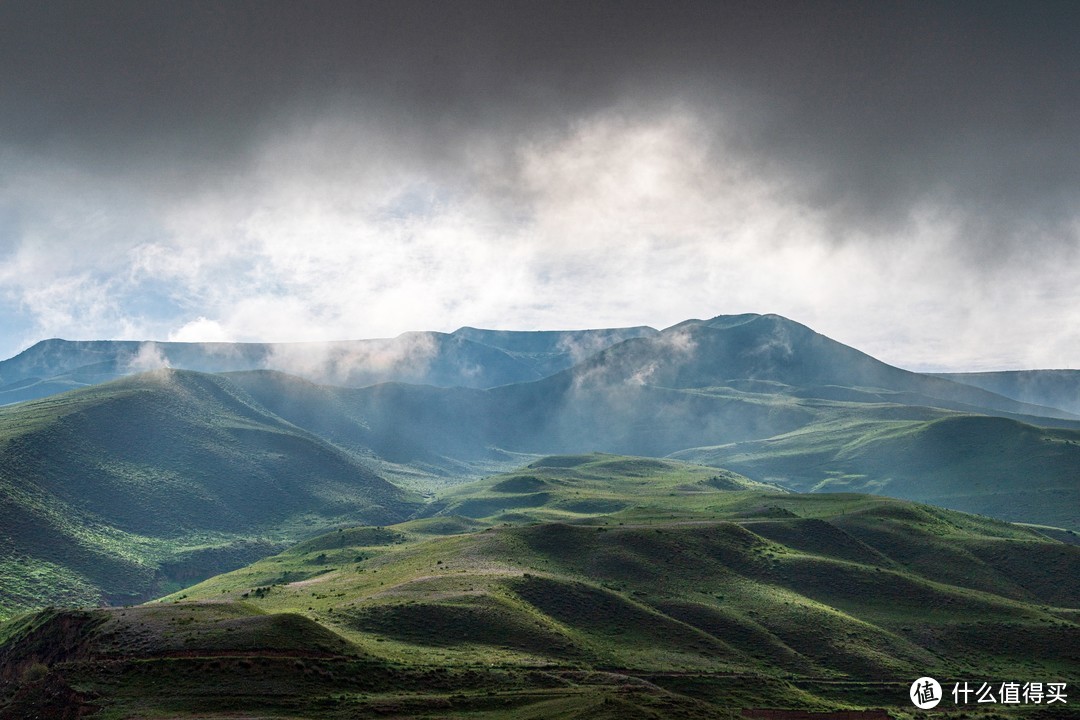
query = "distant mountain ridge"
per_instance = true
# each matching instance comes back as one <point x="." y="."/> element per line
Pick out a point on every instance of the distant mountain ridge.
<point x="1051" y="388"/>
<point x="772" y="348"/>
<point x="759" y="394"/>
<point x="468" y="357"/>
<point x="477" y="358"/>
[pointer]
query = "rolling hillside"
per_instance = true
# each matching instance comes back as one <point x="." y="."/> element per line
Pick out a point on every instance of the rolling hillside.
<point x="728" y="393"/>
<point x="583" y="586"/>
<point x="117" y="491"/>
<point x="124" y="489"/>
<point x="992" y="466"/>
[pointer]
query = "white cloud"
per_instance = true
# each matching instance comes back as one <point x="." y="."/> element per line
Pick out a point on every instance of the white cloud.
<point x="149" y="357"/>
<point x="200" y="329"/>
<point x="339" y="231"/>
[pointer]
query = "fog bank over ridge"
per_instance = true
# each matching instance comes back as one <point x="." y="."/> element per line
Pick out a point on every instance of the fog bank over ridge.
<point x="694" y="353"/>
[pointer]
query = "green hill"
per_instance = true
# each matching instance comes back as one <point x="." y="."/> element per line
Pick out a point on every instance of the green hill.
<point x="119" y="491"/>
<point x="836" y="585"/>
<point x="992" y="466"/>
<point x="125" y="489"/>
<point x="568" y="488"/>
<point x="599" y="584"/>
<point x="807" y="437"/>
<point x="686" y="391"/>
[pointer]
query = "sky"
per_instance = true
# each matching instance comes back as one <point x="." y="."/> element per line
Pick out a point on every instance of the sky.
<point x="901" y="176"/>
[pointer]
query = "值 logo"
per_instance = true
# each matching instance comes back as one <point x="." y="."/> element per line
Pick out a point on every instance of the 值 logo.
<point x="925" y="693"/>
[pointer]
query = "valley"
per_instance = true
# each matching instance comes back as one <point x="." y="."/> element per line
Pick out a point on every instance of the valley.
<point x="726" y="514"/>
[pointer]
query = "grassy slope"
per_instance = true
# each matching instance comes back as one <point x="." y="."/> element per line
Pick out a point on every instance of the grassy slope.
<point x="115" y="491"/>
<point x="991" y="466"/>
<point x="682" y="535"/>
<point x="186" y="476"/>
<point x="420" y="436"/>
<point x="664" y="575"/>
<point x="808" y="438"/>
<point x="739" y="379"/>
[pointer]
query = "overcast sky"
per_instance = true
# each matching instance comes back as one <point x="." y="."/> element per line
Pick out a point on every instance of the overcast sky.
<point x="901" y="176"/>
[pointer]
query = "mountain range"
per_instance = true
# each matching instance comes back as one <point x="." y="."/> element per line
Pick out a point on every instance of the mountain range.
<point x="600" y="523"/>
<point x="1055" y="388"/>
<point x="467" y="357"/>
<point x="129" y="487"/>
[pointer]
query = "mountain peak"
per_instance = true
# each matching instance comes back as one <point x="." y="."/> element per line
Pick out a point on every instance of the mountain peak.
<point x="728" y="321"/>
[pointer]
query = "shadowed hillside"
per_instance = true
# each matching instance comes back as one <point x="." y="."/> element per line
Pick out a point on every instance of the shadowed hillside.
<point x="986" y="465"/>
<point x="760" y="394"/>
<point x="115" y="491"/>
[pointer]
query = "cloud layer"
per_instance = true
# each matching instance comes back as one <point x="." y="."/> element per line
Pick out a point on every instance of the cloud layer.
<point x="903" y="178"/>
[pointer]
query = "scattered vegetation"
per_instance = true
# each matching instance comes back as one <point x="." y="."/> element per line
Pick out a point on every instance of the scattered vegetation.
<point x="688" y="600"/>
<point x="304" y="583"/>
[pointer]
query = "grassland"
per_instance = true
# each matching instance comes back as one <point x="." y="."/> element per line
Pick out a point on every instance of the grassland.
<point x="123" y="491"/>
<point x="583" y="586"/>
<point x="978" y="464"/>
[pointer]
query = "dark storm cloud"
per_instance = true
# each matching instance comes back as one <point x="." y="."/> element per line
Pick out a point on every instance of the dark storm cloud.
<point x="904" y="176"/>
<point x="869" y="107"/>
